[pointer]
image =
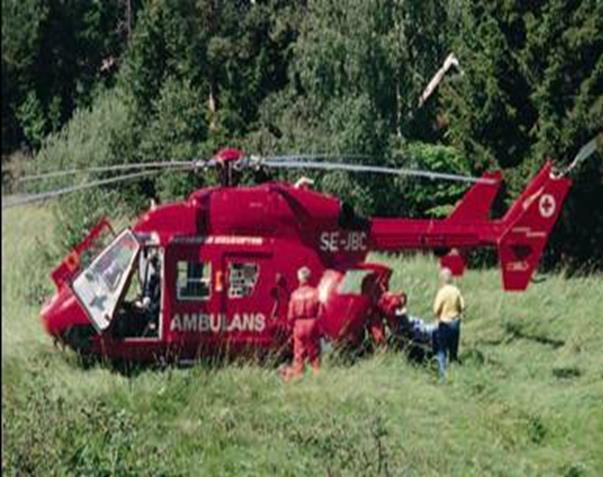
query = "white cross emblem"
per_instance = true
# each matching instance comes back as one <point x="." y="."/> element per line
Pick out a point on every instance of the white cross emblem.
<point x="547" y="205"/>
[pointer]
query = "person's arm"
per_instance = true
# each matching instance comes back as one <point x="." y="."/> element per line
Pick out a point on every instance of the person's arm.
<point x="462" y="303"/>
<point x="437" y="305"/>
<point x="290" y="309"/>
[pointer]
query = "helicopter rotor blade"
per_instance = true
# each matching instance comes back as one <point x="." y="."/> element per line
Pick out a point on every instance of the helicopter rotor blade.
<point x="374" y="169"/>
<point x="304" y="157"/>
<point x="42" y="196"/>
<point x="116" y="167"/>
<point x="584" y="153"/>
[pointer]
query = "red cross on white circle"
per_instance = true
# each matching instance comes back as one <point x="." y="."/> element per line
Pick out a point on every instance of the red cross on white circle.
<point x="547" y="205"/>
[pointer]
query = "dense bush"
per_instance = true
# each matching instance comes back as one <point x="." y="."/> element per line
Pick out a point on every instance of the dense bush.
<point x="425" y="196"/>
<point x="88" y="139"/>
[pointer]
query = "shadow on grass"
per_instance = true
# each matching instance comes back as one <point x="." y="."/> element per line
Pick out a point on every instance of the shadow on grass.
<point x="567" y="372"/>
<point x="514" y="332"/>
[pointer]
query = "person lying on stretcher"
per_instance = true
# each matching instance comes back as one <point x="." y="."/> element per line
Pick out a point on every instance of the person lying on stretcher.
<point x="404" y="328"/>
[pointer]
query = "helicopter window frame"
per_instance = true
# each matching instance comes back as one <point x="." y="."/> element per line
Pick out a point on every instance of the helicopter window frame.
<point x="183" y="283"/>
<point x="243" y="288"/>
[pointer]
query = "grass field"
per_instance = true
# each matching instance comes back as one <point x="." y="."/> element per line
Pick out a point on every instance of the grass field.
<point x="527" y="400"/>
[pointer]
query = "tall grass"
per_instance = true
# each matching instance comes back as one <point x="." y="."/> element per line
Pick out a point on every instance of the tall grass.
<point x="527" y="400"/>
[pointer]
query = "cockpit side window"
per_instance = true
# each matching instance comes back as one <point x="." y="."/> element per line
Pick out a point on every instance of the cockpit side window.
<point x="242" y="278"/>
<point x="193" y="280"/>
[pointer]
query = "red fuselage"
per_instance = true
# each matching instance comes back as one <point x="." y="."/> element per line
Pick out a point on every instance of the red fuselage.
<point x="229" y="257"/>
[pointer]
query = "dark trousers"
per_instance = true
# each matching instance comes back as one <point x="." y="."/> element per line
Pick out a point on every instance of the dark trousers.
<point x="446" y="343"/>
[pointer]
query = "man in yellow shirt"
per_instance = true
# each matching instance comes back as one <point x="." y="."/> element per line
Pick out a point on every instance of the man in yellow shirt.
<point x="448" y="307"/>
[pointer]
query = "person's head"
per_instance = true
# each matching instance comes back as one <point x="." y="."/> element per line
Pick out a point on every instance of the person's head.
<point x="401" y="309"/>
<point x="392" y="303"/>
<point x="303" y="275"/>
<point x="445" y="276"/>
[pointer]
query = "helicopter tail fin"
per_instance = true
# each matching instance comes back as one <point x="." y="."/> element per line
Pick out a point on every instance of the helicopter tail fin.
<point x="476" y="203"/>
<point x="473" y="207"/>
<point x="527" y="226"/>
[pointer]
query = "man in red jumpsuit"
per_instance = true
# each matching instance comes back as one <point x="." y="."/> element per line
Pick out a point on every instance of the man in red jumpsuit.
<point x="304" y="309"/>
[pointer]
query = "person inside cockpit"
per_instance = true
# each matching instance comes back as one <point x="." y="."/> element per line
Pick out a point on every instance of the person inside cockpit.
<point x="149" y="301"/>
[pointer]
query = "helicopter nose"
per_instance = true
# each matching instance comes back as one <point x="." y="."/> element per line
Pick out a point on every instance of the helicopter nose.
<point x="47" y="314"/>
<point x="61" y="312"/>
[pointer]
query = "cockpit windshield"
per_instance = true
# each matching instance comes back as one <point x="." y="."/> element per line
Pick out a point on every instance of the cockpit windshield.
<point x="99" y="242"/>
<point x="112" y="264"/>
<point x="99" y="287"/>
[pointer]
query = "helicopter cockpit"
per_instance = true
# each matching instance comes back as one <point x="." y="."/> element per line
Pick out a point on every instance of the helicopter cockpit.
<point x="137" y="315"/>
<point x="112" y="293"/>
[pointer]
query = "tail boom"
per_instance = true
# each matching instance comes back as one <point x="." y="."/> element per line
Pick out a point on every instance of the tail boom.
<point x="520" y="236"/>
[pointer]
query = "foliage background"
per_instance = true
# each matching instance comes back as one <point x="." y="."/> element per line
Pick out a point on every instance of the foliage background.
<point x="144" y="80"/>
<point x="108" y="82"/>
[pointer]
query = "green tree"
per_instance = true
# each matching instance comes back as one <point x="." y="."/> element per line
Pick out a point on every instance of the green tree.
<point x="22" y="24"/>
<point x="354" y="88"/>
<point x="33" y="120"/>
<point x="532" y="90"/>
<point x="176" y="133"/>
<point x="234" y="53"/>
<point x="564" y="58"/>
<point x="489" y="111"/>
<point x="54" y="50"/>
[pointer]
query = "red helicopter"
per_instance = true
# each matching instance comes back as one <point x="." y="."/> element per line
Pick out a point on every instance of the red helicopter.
<point x="223" y="261"/>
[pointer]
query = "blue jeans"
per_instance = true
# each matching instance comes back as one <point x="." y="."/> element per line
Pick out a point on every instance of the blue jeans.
<point x="446" y="343"/>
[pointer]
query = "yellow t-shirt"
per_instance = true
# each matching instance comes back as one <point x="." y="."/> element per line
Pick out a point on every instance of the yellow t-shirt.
<point x="448" y="303"/>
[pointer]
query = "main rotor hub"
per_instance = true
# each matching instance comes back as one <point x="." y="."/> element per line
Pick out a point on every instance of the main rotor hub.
<point x="226" y="158"/>
<point x="228" y="154"/>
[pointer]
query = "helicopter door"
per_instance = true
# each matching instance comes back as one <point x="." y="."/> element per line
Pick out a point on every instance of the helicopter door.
<point x="100" y="286"/>
<point x="246" y="294"/>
